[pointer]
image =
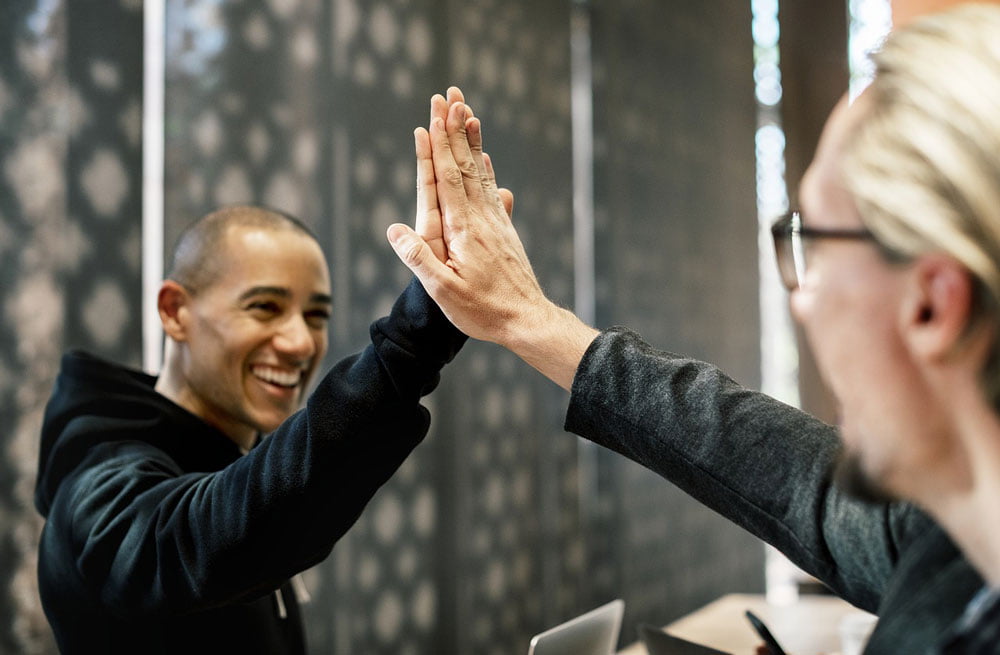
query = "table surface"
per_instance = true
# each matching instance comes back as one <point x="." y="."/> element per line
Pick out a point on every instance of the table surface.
<point x="806" y="627"/>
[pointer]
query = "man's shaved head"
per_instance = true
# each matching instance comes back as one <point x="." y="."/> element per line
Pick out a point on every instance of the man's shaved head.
<point x="198" y="257"/>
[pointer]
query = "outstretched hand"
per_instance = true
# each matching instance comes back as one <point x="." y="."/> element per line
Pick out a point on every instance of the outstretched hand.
<point x="428" y="223"/>
<point x="468" y="255"/>
<point x="475" y="267"/>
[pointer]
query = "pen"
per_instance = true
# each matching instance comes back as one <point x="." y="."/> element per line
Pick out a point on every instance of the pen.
<point x="765" y="634"/>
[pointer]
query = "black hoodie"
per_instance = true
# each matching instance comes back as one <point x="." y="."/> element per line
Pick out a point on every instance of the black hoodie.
<point x="161" y="538"/>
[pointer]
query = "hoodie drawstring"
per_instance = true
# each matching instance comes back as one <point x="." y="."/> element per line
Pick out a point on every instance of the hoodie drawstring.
<point x="300" y="591"/>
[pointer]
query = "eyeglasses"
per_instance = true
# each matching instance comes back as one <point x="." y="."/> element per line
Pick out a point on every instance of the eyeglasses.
<point x="790" y="237"/>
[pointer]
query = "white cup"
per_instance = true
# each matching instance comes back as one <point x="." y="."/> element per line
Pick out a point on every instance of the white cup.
<point x="855" y="628"/>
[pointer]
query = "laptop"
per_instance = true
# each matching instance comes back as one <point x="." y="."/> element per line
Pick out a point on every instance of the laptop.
<point x="593" y="633"/>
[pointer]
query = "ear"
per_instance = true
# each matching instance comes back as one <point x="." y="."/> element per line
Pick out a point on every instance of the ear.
<point x="172" y="303"/>
<point x="938" y="307"/>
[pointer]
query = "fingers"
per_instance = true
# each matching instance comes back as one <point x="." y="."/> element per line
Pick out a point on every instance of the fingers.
<point x="507" y="200"/>
<point x="474" y="132"/>
<point x="450" y="182"/>
<point x="458" y="137"/>
<point x="473" y="129"/>
<point x="440" y="104"/>
<point x="462" y="175"/>
<point x="505" y="195"/>
<point x="426" y="198"/>
<point x="490" y="184"/>
<point x="439" y="108"/>
<point x="428" y="220"/>
<point x="455" y="95"/>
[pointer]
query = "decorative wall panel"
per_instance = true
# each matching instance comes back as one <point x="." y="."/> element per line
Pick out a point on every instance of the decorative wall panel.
<point x="70" y="120"/>
<point x="487" y="534"/>
<point x="675" y="117"/>
<point x="520" y="563"/>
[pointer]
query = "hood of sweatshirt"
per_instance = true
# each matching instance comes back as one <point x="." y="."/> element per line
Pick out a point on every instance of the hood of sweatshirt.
<point x="95" y="401"/>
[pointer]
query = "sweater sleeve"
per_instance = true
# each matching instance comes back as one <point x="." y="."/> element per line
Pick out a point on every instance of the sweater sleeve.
<point x="148" y="535"/>
<point x="758" y="462"/>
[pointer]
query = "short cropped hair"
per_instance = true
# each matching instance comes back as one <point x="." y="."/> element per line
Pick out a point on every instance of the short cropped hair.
<point x="923" y="165"/>
<point x="196" y="262"/>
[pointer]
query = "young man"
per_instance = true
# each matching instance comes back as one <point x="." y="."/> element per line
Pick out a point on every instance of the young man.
<point x="172" y="526"/>
<point x="894" y="267"/>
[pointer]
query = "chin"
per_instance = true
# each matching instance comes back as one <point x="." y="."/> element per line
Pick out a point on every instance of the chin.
<point x="851" y="477"/>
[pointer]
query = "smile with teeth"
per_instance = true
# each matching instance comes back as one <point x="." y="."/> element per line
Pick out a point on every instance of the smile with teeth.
<point x="277" y="376"/>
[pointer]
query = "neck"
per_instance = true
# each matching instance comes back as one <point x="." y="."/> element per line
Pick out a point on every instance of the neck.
<point x="968" y="505"/>
<point x="172" y="384"/>
<point x="972" y="521"/>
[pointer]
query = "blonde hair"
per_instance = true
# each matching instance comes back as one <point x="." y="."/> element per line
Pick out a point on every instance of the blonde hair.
<point x="924" y="163"/>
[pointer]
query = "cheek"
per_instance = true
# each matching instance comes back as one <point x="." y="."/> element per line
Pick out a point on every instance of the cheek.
<point x="800" y="306"/>
<point x="852" y="336"/>
<point x="822" y="318"/>
<point x="321" y="343"/>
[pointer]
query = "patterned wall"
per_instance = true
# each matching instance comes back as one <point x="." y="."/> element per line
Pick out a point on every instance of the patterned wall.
<point x="677" y="261"/>
<point x="70" y="125"/>
<point x="521" y="560"/>
<point x="309" y="106"/>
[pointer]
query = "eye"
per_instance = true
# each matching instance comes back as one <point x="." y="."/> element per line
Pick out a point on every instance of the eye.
<point x="264" y="308"/>
<point x="317" y="318"/>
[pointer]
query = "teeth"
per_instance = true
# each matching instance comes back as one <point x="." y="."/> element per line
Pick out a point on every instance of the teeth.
<point x="277" y="376"/>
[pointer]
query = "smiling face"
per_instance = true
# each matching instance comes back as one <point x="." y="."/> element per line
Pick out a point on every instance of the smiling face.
<point x="253" y="338"/>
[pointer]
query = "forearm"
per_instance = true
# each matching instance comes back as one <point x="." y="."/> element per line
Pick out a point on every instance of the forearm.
<point x="414" y="342"/>
<point x="760" y="463"/>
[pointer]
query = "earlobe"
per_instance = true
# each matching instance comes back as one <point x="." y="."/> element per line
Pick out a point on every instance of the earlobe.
<point x="939" y="307"/>
<point x="171" y="302"/>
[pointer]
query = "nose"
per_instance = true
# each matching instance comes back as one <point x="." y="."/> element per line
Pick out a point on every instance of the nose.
<point x="295" y="339"/>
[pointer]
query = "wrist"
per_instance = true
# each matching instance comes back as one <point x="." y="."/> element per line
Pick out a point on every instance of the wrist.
<point x="552" y="340"/>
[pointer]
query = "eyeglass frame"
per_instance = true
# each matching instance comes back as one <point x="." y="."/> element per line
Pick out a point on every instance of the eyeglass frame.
<point x="789" y="235"/>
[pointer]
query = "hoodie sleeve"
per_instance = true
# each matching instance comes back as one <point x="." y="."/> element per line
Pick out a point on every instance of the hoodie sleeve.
<point x="145" y="536"/>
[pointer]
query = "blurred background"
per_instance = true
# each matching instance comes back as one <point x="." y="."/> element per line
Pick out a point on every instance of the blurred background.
<point x="649" y="144"/>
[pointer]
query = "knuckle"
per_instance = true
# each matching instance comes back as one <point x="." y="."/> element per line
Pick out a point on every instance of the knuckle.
<point x="469" y="169"/>
<point x="453" y="175"/>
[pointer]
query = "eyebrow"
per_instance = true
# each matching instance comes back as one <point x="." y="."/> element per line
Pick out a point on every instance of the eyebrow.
<point x="324" y="298"/>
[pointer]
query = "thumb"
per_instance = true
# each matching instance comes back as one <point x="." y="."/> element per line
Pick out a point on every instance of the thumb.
<point x="413" y="251"/>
